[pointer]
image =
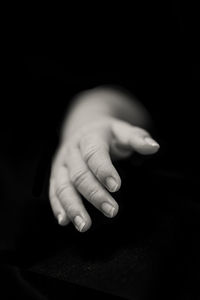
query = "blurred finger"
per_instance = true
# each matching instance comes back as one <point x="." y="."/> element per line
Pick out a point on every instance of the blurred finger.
<point x="135" y="137"/>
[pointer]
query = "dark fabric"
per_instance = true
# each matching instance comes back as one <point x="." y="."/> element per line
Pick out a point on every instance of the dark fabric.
<point x="153" y="244"/>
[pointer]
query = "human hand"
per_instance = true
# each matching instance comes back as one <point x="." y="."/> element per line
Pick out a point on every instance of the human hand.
<point x="83" y="166"/>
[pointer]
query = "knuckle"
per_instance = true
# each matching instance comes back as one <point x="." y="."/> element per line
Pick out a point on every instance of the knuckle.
<point x="90" y="152"/>
<point x="70" y="209"/>
<point x="100" y="170"/>
<point x="61" y="189"/>
<point x="78" y="177"/>
<point x="93" y="195"/>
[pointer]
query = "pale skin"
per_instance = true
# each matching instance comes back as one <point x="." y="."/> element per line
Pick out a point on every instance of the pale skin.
<point x="104" y="124"/>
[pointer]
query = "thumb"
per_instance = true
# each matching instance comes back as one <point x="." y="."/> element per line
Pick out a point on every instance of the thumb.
<point x="134" y="137"/>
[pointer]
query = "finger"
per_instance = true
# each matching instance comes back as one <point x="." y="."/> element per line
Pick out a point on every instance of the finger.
<point x="135" y="137"/>
<point x="88" y="185"/>
<point x="95" y="152"/>
<point x="119" y="151"/>
<point x="71" y="201"/>
<point x="56" y="206"/>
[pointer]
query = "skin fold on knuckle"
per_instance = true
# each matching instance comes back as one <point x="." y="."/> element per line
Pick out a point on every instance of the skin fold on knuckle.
<point x="90" y="152"/>
<point x="91" y="143"/>
<point x="61" y="190"/>
<point x="78" y="177"/>
<point x="93" y="196"/>
<point x="101" y="171"/>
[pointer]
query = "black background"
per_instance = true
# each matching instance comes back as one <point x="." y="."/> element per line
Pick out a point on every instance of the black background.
<point x="152" y="52"/>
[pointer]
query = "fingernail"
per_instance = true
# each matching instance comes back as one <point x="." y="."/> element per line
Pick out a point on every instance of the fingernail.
<point x="79" y="223"/>
<point x="108" y="209"/>
<point x="111" y="184"/>
<point x="151" y="142"/>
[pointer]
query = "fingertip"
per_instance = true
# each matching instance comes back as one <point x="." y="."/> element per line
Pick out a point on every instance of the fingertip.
<point x="62" y="219"/>
<point x="113" y="184"/>
<point x="116" y="210"/>
<point x="152" y="145"/>
<point x="82" y="224"/>
<point x="152" y="142"/>
<point x="87" y="226"/>
<point x="109" y="210"/>
<point x="146" y="146"/>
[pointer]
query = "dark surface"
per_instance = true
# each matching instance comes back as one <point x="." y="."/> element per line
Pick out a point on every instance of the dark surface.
<point x="151" y="247"/>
